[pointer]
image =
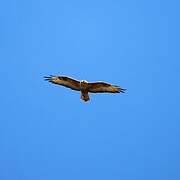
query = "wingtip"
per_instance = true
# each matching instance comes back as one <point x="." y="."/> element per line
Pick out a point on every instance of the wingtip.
<point x="119" y="89"/>
<point x="122" y="90"/>
<point x="47" y="78"/>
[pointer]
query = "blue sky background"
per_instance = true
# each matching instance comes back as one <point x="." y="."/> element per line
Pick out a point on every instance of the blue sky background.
<point x="47" y="133"/>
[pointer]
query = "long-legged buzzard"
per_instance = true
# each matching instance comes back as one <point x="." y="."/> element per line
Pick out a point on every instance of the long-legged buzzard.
<point x="84" y="87"/>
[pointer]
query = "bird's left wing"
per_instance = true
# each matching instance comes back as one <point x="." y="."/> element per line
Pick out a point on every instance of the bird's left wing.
<point x="102" y="87"/>
<point x="64" y="81"/>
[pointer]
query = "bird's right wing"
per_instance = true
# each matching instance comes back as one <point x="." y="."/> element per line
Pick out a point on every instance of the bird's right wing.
<point x="102" y="87"/>
<point x="64" y="81"/>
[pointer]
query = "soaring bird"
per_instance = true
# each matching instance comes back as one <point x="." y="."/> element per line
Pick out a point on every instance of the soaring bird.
<point x="84" y="87"/>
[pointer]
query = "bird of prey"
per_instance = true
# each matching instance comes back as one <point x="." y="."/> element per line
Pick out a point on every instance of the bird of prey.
<point x="84" y="87"/>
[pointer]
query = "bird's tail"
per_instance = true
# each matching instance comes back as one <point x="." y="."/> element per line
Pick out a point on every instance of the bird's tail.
<point x="85" y="97"/>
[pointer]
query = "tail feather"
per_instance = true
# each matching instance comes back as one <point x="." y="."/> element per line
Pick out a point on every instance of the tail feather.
<point x="85" y="97"/>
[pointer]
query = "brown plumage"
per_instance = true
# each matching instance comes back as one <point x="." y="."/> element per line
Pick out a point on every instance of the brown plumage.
<point x="84" y="86"/>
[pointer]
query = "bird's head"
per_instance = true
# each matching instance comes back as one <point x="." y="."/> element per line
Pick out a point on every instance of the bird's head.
<point x="83" y="84"/>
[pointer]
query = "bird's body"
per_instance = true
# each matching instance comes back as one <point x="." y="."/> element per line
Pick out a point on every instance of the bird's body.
<point x="84" y="90"/>
<point x="84" y="87"/>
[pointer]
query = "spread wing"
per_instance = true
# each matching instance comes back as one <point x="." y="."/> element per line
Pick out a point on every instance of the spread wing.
<point x="64" y="81"/>
<point x="102" y="87"/>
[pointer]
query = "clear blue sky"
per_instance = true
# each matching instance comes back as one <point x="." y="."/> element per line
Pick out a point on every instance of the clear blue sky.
<point x="47" y="133"/>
